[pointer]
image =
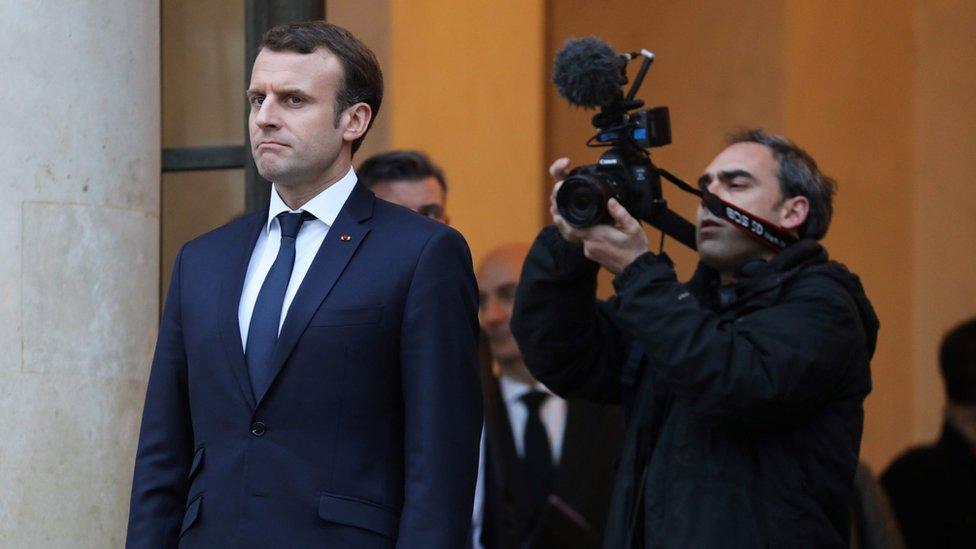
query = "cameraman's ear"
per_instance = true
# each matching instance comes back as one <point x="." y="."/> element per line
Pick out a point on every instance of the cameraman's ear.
<point x="794" y="212"/>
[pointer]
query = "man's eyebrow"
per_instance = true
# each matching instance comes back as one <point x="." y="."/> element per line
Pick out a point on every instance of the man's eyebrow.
<point x="291" y="91"/>
<point x="279" y="91"/>
<point x="732" y="174"/>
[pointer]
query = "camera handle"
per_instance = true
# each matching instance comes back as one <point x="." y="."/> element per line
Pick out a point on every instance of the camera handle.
<point x="672" y="224"/>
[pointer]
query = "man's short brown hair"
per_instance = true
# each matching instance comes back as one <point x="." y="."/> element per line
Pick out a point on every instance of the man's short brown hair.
<point x="798" y="175"/>
<point x="362" y="79"/>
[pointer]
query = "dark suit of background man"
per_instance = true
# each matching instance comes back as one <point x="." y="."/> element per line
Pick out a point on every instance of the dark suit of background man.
<point x="742" y="388"/>
<point x="584" y="438"/>
<point x="548" y="468"/>
<point x="933" y="488"/>
<point x="315" y="380"/>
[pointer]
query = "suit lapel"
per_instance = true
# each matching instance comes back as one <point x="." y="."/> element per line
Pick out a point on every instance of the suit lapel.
<point x="341" y="242"/>
<point x="231" y="287"/>
<point x="508" y="471"/>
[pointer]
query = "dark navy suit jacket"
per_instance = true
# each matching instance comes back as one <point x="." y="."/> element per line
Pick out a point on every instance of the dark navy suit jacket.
<point x="368" y="435"/>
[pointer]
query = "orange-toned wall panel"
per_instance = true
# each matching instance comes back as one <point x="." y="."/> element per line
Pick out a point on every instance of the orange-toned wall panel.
<point x="944" y="193"/>
<point x="468" y="80"/>
<point x="848" y="96"/>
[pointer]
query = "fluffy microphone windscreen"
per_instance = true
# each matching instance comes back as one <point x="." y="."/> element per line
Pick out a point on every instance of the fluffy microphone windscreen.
<point x="588" y="73"/>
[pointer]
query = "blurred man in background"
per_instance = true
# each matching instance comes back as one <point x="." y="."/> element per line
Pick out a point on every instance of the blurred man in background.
<point x="933" y="488"/>
<point x="407" y="178"/>
<point x="549" y="461"/>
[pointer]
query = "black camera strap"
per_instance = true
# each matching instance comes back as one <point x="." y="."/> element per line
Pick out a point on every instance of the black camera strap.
<point x="763" y="231"/>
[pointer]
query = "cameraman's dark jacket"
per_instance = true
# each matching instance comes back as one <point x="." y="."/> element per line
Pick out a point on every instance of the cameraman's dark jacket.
<point x="744" y="402"/>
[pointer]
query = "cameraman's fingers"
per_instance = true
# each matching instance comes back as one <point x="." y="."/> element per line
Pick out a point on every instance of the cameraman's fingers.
<point x="568" y="232"/>
<point x="555" y="191"/>
<point x="598" y="233"/>
<point x="624" y="220"/>
<point x="559" y="169"/>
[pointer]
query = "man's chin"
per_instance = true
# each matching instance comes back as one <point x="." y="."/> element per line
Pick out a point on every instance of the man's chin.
<point x="713" y="254"/>
<point x="505" y="354"/>
<point x="709" y="251"/>
<point x="272" y="169"/>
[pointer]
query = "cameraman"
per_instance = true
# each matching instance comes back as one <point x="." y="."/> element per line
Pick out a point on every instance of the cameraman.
<point x="743" y="387"/>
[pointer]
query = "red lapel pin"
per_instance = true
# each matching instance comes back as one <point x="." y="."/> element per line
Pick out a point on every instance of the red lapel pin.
<point x="345" y="238"/>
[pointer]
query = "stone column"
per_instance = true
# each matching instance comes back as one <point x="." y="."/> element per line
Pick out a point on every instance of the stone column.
<point x="79" y="267"/>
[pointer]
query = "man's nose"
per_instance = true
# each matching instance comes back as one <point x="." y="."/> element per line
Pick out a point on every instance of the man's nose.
<point x="267" y="115"/>
<point x="495" y="314"/>
<point x="714" y="186"/>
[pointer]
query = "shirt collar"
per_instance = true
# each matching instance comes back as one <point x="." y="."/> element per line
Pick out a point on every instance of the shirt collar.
<point x="324" y="206"/>
<point x="513" y="389"/>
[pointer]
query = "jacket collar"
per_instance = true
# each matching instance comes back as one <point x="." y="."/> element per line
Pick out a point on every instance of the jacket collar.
<point x="324" y="206"/>
<point x="755" y="276"/>
<point x="348" y="231"/>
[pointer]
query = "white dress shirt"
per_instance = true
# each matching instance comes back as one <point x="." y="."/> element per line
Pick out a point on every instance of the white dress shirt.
<point x="478" y="514"/>
<point x="552" y="413"/>
<point x="325" y="207"/>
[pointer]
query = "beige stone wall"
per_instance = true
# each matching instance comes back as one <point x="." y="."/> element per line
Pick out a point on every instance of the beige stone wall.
<point x="80" y="246"/>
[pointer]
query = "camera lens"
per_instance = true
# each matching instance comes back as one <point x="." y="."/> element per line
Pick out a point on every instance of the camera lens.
<point x="582" y="200"/>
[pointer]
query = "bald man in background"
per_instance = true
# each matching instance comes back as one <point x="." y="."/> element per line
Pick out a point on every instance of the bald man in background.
<point x="548" y="465"/>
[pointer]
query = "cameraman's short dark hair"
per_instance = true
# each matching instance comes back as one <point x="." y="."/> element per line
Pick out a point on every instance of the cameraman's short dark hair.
<point x="957" y="360"/>
<point x="798" y="176"/>
<point x="399" y="166"/>
<point x="362" y="79"/>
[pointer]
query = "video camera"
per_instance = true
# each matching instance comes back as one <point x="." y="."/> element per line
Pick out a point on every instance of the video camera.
<point x="588" y="73"/>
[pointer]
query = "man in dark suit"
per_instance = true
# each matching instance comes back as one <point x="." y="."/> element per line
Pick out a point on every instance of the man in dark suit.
<point x="315" y="379"/>
<point x="407" y="178"/>
<point x="548" y="470"/>
<point x="933" y="488"/>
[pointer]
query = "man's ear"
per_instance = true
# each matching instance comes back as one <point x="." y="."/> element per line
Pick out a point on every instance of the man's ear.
<point x="355" y="121"/>
<point x="794" y="212"/>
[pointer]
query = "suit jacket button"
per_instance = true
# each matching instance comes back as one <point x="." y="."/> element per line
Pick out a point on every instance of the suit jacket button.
<point x="258" y="428"/>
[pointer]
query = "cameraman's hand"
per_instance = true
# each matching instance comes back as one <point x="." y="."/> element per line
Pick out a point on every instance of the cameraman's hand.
<point x="614" y="246"/>
<point x="559" y="170"/>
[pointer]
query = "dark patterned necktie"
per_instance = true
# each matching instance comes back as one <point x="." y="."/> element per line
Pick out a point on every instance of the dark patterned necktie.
<point x="262" y="334"/>
<point x="538" y="453"/>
